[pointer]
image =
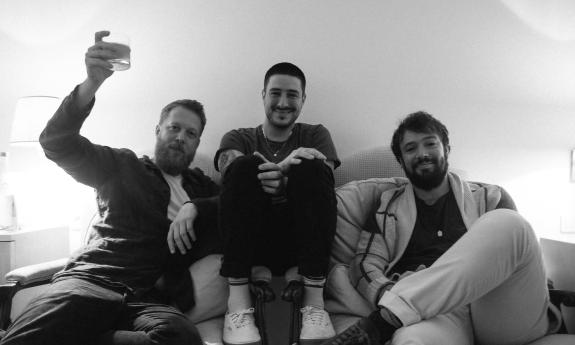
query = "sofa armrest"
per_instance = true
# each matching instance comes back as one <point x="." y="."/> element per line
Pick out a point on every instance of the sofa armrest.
<point x="22" y="278"/>
<point x="36" y="274"/>
<point x="7" y="291"/>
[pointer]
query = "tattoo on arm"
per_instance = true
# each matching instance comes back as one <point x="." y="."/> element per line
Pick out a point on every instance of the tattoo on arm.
<point x="226" y="158"/>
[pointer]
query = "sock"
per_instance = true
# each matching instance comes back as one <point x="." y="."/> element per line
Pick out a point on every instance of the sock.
<point x="390" y="317"/>
<point x="239" y="298"/>
<point x="383" y="328"/>
<point x="313" y="291"/>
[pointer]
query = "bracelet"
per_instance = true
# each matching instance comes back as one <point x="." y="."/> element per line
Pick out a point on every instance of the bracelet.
<point x="187" y="202"/>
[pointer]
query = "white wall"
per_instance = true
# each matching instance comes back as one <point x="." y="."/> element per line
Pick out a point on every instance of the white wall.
<point x="504" y="87"/>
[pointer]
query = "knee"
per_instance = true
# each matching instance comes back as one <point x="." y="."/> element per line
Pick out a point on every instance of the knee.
<point x="311" y="170"/>
<point x="307" y="167"/>
<point x="511" y="222"/>
<point x="510" y="218"/>
<point x="242" y="169"/>
<point x="242" y="164"/>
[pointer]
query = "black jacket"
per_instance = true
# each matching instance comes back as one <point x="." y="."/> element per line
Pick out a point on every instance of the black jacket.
<point x="127" y="246"/>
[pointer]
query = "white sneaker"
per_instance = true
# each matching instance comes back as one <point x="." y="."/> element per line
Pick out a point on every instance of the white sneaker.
<point x="240" y="328"/>
<point x="316" y="325"/>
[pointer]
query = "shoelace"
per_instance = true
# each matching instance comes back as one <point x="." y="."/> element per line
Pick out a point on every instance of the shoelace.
<point x="313" y="315"/>
<point x="242" y="318"/>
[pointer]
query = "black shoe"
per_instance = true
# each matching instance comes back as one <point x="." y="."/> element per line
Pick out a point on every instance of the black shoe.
<point x="371" y="330"/>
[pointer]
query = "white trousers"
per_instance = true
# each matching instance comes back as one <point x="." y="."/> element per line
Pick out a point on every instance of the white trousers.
<point x="489" y="287"/>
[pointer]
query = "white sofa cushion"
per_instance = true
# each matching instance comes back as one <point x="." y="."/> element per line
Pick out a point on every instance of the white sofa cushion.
<point x="210" y="289"/>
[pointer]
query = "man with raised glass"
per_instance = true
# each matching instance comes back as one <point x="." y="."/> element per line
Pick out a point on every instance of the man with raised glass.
<point x="147" y="208"/>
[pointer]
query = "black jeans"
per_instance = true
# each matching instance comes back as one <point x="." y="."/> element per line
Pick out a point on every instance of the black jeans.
<point x="257" y="231"/>
<point x="75" y="311"/>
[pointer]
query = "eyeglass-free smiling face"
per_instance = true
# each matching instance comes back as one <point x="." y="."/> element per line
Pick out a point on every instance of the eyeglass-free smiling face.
<point x="424" y="159"/>
<point x="283" y="100"/>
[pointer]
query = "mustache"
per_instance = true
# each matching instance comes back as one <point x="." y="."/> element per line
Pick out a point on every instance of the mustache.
<point x="424" y="160"/>
<point x="176" y="146"/>
<point x="283" y="108"/>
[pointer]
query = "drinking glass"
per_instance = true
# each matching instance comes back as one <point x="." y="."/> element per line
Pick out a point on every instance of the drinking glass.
<point x="121" y="46"/>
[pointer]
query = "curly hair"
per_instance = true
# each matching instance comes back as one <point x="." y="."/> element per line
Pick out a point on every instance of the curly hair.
<point x="419" y="122"/>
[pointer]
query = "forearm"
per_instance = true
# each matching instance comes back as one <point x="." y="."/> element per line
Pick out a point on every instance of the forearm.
<point x="369" y="279"/>
<point x="62" y="132"/>
<point x="86" y="92"/>
<point x="226" y="158"/>
<point x="62" y="143"/>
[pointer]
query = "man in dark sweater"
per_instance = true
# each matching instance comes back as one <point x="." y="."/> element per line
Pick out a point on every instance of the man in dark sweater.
<point x="103" y="293"/>
<point x="277" y="205"/>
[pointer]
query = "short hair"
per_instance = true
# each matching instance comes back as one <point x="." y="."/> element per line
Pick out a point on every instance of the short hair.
<point x="188" y="104"/>
<point x="419" y="122"/>
<point x="286" y="68"/>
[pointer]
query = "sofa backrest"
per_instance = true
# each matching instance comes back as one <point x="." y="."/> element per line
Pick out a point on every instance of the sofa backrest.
<point x="374" y="162"/>
<point x="377" y="162"/>
<point x="206" y="164"/>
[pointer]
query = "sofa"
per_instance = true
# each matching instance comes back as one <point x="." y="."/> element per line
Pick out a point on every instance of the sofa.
<point x="210" y="290"/>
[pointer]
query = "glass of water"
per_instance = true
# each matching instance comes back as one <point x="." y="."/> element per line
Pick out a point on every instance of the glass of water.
<point x="121" y="46"/>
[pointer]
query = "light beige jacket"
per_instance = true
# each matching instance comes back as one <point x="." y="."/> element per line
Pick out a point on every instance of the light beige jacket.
<point x="376" y="218"/>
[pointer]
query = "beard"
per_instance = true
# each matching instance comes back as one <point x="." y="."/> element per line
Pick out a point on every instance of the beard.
<point x="279" y="123"/>
<point x="428" y="179"/>
<point x="172" y="158"/>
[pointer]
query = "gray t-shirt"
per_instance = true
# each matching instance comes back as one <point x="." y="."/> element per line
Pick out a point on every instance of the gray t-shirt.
<point x="249" y="140"/>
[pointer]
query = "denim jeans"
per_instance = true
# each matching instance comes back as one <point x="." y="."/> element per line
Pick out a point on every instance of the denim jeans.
<point x="77" y="311"/>
<point x="279" y="235"/>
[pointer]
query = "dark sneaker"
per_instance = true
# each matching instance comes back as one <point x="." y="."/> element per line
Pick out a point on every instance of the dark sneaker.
<point x="371" y="330"/>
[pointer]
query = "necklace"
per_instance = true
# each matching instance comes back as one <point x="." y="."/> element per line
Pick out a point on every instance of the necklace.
<point x="270" y="143"/>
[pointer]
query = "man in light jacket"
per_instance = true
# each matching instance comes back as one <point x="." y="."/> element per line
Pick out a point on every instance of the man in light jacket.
<point x="441" y="260"/>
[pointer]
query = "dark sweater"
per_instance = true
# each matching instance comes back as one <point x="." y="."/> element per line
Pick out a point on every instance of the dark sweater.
<point x="127" y="246"/>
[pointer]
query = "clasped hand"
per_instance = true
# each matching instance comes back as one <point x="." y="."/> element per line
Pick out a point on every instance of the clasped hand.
<point x="295" y="157"/>
<point x="273" y="177"/>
